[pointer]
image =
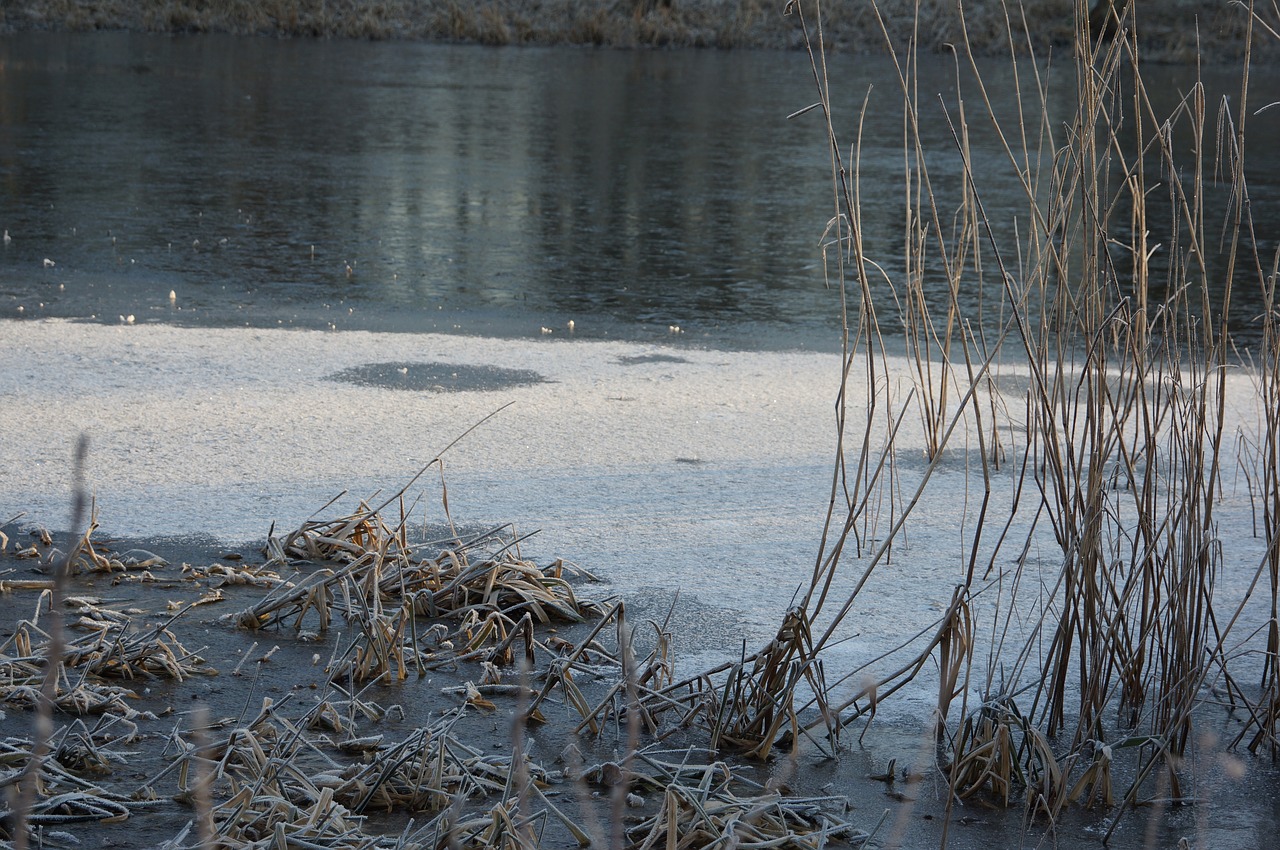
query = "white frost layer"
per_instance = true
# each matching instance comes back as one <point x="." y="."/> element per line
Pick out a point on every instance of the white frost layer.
<point x="223" y="431"/>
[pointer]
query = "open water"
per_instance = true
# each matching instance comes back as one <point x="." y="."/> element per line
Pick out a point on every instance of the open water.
<point x="415" y="187"/>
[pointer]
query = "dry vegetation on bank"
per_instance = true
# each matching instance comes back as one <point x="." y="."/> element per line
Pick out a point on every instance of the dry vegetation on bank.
<point x="1171" y="31"/>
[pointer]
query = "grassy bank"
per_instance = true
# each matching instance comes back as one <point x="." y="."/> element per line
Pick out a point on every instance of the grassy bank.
<point x="1171" y="31"/>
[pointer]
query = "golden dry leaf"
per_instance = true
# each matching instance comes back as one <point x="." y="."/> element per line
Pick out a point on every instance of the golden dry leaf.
<point x="474" y="697"/>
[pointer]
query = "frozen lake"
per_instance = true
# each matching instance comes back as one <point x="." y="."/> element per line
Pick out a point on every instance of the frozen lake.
<point x="661" y="470"/>
<point x="261" y="275"/>
<point x="700" y="470"/>
<point x="639" y="229"/>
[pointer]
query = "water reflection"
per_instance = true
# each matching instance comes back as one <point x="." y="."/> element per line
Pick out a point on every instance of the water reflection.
<point x="420" y="187"/>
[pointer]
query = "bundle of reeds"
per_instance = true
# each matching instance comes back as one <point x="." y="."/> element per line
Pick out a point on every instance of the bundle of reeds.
<point x="385" y="646"/>
<point x="479" y="596"/>
<point x="748" y="705"/>
<point x="697" y="816"/>
<point x="1117" y="446"/>
<point x="429" y="770"/>
<point x="115" y="652"/>
<point x="58" y="794"/>
<point x="110" y="652"/>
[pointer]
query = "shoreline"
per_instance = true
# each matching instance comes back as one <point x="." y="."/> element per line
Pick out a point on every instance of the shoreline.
<point x="1176" y="32"/>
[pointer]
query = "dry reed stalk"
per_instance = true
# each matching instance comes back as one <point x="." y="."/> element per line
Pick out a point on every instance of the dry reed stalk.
<point x="30" y="777"/>
<point x="857" y="491"/>
<point x="54" y="794"/>
<point x="375" y="568"/>
<point x="11" y="584"/>
<point x="1124" y="417"/>
<point x="1265" y="718"/>
<point x="707" y="816"/>
<point x="1263" y="728"/>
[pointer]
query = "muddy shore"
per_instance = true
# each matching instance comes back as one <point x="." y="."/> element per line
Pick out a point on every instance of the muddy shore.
<point x="1184" y="31"/>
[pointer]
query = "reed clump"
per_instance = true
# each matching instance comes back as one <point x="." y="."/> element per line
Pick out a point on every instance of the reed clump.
<point x="413" y="608"/>
<point x="1115" y="299"/>
<point x="60" y="795"/>
<point x="114" y="650"/>
<point x="709" y="814"/>
<point x="746" y="706"/>
<point x="314" y="775"/>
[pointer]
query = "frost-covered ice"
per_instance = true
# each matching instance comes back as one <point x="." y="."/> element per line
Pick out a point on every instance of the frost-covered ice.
<point x="703" y="471"/>
<point x="709" y="473"/>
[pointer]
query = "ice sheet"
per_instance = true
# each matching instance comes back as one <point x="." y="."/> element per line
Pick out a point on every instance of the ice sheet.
<point x="657" y="468"/>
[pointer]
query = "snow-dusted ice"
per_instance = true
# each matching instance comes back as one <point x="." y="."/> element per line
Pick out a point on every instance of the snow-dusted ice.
<point x="658" y="469"/>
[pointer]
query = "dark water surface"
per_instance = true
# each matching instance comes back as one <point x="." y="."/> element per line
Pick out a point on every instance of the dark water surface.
<point x="400" y="186"/>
